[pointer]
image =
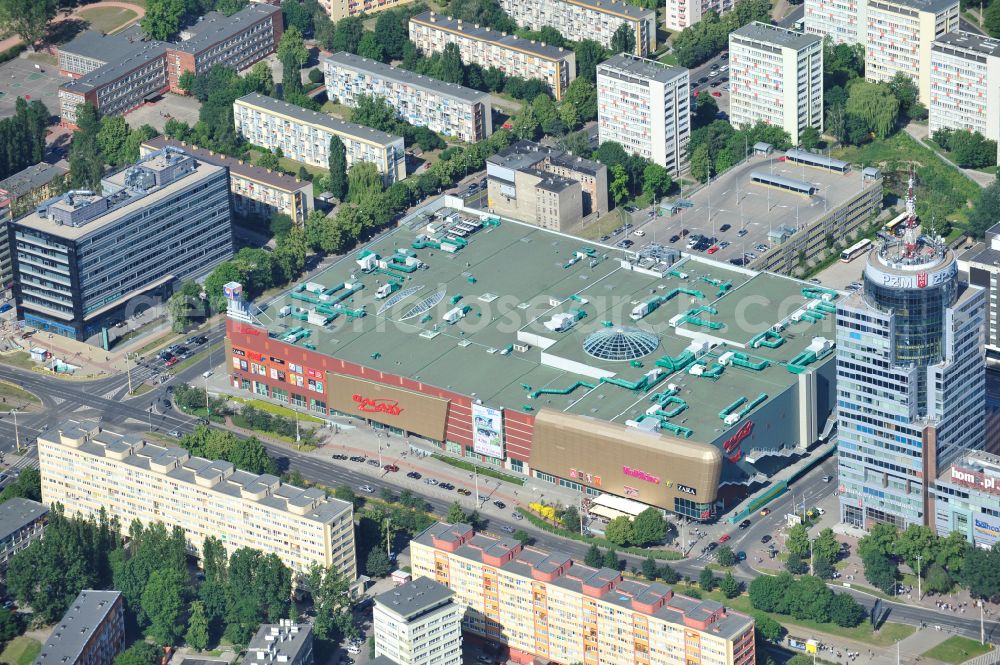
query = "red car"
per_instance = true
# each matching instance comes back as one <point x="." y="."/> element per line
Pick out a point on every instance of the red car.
<point x="724" y="538"/>
<point x="392" y="468"/>
<point x="713" y="249"/>
<point x="716" y="93"/>
<point x="173" y="361"/>
<point x="694" y="94"/>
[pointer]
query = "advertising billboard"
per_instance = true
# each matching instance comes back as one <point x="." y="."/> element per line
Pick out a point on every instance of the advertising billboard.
<point x="487" y="431"/>
<point x="404" y="409"/>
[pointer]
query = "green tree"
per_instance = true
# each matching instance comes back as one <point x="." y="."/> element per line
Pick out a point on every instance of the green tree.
<point x="377" y="564"/>
<point x="589" y="54"/>
<point x="619" y="531"/>
<point x="86" y="165"/>
<point x="526" y="125"/>
<point x="707" y="580"/>
<point x="162" y="19"/>
<point x="798" y="541"/>
<point x="130" y="151"/>
<point x="611" y="559"/>
<point x="981" y="572"/>
<point x="27" y="485"/>
<point x="845" y="611"/>
<point x="809" y="598"/>
<point x="822" y="569"/>
<point x="11" y="626"/>
<point x="140" y="653"/>
<point x="649" y="528"/>
<point x="593" y="558"/>
<point x="725" y="556"/>
<point x="268" y="160"/>
<point x="350" y="31"/>
<point x="809" y="138"/>
<point x="729" y="585"/>
<point x="767" y="592"/>
<point x="363" y="181"/>
<point x="826" y="547"/>
<point x="337" y="163"/>
<point x="767" y="627"/>
<point x="251" y="455"/>
<point x="917" y="540"/>
<point x="391" y="32"/>
<point x="522" y="537"/>
<point x="450" y="67"/>
<point x="701" y="165"/>
<point x="163" y="603"/>
<point x="649" y="568"/>
<point x="875" y="104"/>
<point x="795" y="564"/>
<point x="28" y="19"/>
<point x="370" y="47"/>
<point x="991" y="19"/>
<point x="111" y="139"/>
<point x="332" y="604"/>
<point x="623" y="41"/>
<point x="456" y="515"/>
<point x="292" y="47"/>
<point x="656" y="181"/>
<point x="986" y="209"/>
<point x="937" y="579"/>
<point x="618" y="186"/>
<point x="570" y="518"/>
<point x="951" y="553"/>
<point x="185" y="306"/>
<point x="610" y="153"/>
<point x="881" y="539"/>
<point x="880" y="571"/>
<point x="259" y="590"/>
<point x="582" y="95"/>
<point x="905" y="90"/>
<point x="669" y="575"/>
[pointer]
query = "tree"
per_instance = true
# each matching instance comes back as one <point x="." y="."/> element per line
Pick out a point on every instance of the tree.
<point x="809" y="598"/>
<point x="378" y="564"/>
<point x="668" y="574"/>
<point x="905" y="91"/>
<point x="991" y="20"/>
<point x="391" y="32"/>
<point x="10" y="626"/>
<point x="162" y="19"/>
<point x="701" y="166"/>
<point x="522" y="537"/>
<point x="618" y="186"/>
<point x="593" y="558"/>
<point x="570" y="518"/>
<point x="28" y="19"/>
<point x="111" y="138"/>
<point x="163" y="604"/>
<point x="880" y="571"/>
<point x="981" y="572"/>
<point x="725" y="556"/>
<point x="822" y="569"/>
<point x="881" y="539"/>
<point x="729" y="585"/>
<point x="845" y="611"/>
<point x="707" y="580"/>
<point x="649" y="568"/>
<point x="260" y="79"/>
<point x="456" y="515"/>
<point x="337" y="163"/>
<point x="450" y="65"/>
<point x="130" y="151"/>
<point x="619" y="531"/>
<point x="623" y="41"/>
<point x="795" y="564"/>
<point x="268" y="160"/>
<point x="375" y="112"/>
<point x="331" y="602"/>
<point x="952" y="551"/>
<point x="937" y="579"/>
<point x="649" y="528"/>
<point x="875" y="104"/>
<point x="363" y="181"/>
<point x="611" y="559"/>
<point x="656" y="181"/>
<point x="251" y="455"/>
<point x="370" y="47"/>
<point x="85" y="161"/>
<point x="27" y="485"/>
<point x="826" y="547"/>
<point x="259" y="590"/>
<point x="292" y="47"/>
<point x="916" y="540"/>
<point x="767" y="592"/>
<point x="184" y="306"/>
<point x="526" y="125"/>
<point x="809" y="138"/>
<point x="350" y="31"/>
<point x="140" y="653"/>
<point x="767" y="627"/>
<point x="798" y="541"/>
<point x="582" y="95"/>
<point x="589" y="54"/>
<point x="986" y="209"/>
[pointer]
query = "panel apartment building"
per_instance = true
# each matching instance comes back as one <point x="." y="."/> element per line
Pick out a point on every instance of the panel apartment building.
<point x="682" y="14"/>
<point x="645" y="106"/>
<point x="304" y="136"/>
<point x="81" y="260"/>
<point x="449" y="109"/>
<point x="86" y="469"/>
<point x="117" y="73"/>
<point x="776" y="77"/>
<point x="253" y="190"/>
<point x="338" y="9"/>
<point x="418" y="623"/>
<point x="965" y="84"/>
<point x="92" y="632"/>
<point x="587" y="19"/>
<point x="900" y="37"/>
<point x="512" y="55"/>
<point x="18" y="194"/>
<point x="544" y="606"/>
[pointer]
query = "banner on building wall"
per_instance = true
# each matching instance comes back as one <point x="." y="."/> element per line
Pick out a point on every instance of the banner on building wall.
<point x="487" y="431"/>
<point x="404" y="409"/>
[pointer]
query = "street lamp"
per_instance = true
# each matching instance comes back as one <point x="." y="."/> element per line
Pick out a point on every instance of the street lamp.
<point x="149" y="413"/>
<point x="17" y="438"/>
<point x="919" y="558"/>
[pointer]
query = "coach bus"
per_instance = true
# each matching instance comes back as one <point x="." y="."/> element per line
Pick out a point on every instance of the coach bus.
<point x="855" y="250"/>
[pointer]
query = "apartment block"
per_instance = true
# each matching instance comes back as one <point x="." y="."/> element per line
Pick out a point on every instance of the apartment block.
<point x="900" y="37"/>
<point x="965" y="84"/>
<point x="449" y="109"/>
<point x="544" y="186"/>
<point x="86" y="469"/>
<point x="253" y="190"/>
<point x="304" y="136"/>
<point x="587" y="19"/>
<point x="776" y="77"/>
<point x="512" y="55"/>
<point x="338" y="9"/>
<point x="92" y="632"/>
<point x="18" y="194"/>
<point x="418" y="623"/>
<point x="546" y="606"/>
<point x="285" y="642"/>
<point x="645" y="106"/>
<point x="83" y="261"/>
<point x="131" y="71"/>
<point x="22" y="522"/>
<point x="682" y="14"/>
<point x="843" y="21"/>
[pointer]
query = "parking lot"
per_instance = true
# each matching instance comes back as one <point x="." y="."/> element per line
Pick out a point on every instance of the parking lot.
<point x="715" y="83"/>
<point x="169" y="106"/>
<point x="30" y="79"/>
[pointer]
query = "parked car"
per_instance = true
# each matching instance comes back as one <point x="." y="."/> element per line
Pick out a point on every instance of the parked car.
<point x="725" y="227"/>
<point x="173" y="361"/>
<point x="724" y="244"/>
<point x="507" y="529"/>
<point x="367" y="489"/>
<point x="827" y="478"/>
<point x="430" y="481"/>
<point x="741" y="556"/>
<point x="464" y="492"/>
<point x="765" y="512"/>
<point x="724" y="537"/>
<point x="684" y="233"/>
<point x="174" y="433"/>
<point x="372" y="462"/>
<point x="358" y="458"/>
<point x="500" y="504"/>
<point x="713" y="249"/>
<point x="516" y="515"/>
<point x="742" y="232"/>
<point x="340" y="457"/>
<point x="711" y="547"/>
<point x="745" y="524"/>
<point x="414" y="475"/>
<point x="639" y="232"/>
<point x="764" y="540"/>
<point x="391" y="468"/>
<point x="674" y="238"/>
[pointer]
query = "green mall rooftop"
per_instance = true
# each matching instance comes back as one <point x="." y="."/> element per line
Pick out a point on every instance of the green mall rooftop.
<point x="671" y="380"/>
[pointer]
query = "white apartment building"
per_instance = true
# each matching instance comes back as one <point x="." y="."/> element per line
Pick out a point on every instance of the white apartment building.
<point x="452" y="110"/>
<point x="512" y="55"/>
<point x="900" y="36"/>
<point x="304" y="135"/>
<point x="645" y="106"/>
<point x="776" y="77"/>
<point x="843" y="21"/>
<point x="587" y="19"/>
<point x="86" y="469"/>
<point x="418" y="623"/>
<point x="682" y="14"/>
<point x="965" y="84"/>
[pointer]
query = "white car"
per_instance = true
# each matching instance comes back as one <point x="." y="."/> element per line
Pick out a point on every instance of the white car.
<point x="639" y="232"/>
<point x="367" y="489"/>
<point x="353" y="648"/>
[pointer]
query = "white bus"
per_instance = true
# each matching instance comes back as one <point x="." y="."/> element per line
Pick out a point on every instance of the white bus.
<point x="855" y="250"/>
<point x="898" y="225"/>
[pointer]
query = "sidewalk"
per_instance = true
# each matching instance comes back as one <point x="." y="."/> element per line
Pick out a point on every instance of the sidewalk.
<point x="920" y="132"/>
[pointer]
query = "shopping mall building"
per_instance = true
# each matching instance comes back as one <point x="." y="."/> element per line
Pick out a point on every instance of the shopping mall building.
<point x="670" y="380"/>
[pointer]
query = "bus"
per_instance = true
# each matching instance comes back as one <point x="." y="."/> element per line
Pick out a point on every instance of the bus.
<point x="898" y="225"/>
<point x="855" y="250"/>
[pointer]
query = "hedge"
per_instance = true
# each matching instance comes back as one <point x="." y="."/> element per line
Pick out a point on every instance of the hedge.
<point x="12" y="52"/>
<point x="663" y="555"/>
<point x="483" y="470"/>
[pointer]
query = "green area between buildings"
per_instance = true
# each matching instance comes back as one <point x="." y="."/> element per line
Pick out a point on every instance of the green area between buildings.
<point x="278" y="410"/>
<point x="14" y="397"/>
<point x="21" y="651"/>
<point x="107" y="19"/>
<point x="956" y="649"/>
<point x="483" y="470"/>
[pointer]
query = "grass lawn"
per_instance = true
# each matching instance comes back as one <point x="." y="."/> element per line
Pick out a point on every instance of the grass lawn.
<point x="668" y="59"/>
<point x="278" y="410"/>
<point x="18" y="359"/>
<point x="107" y="19"/>
<point x="141" y="389"/>
<point x="339" y="110"/>
<point x="158" y="342"/>
<point x="293" y="166"/>
<point x="184" y="364"/>
<point x="21" y="651"/>
<point x="15" y="397"/>
<point x="956" y="650"/>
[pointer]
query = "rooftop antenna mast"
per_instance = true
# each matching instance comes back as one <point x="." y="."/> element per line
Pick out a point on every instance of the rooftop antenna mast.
<point x="910" y="234"/>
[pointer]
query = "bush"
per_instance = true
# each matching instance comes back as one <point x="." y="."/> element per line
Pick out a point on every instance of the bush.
<point x="315" y="75"/>
<point x="845" y="611"/>
<point x="664" y="555"/>
<point x="12" y="52"/>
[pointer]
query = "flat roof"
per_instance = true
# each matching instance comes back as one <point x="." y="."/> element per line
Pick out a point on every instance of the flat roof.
<point x="522" y="154"/>
<point x="245" y="169"/>
<point x="776" y="35"/>
<point x="17" y="513"/>
<point x="382" y="70"/>
<point x="215" y="27"/>
<point x="935" y="6"/>
<point x="414" y="597"/>
<point x="31" y="178"/>
<point x="643" y="67"/>
<point x="317" y="118"/>
<point x="615" y="7"/>
<point x="817" y="159"/>
<point x="136" y="56"/>
<point x="283" y="642"/>
<point x="672" y="608"/>
<point x="96" y="45"/>
<point x="133" y="450"/>
<point x="969" y="41"/>
<point x="516" y="277"/>
<point x="75" y="629"/>
<point x="485" y="34"/>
